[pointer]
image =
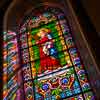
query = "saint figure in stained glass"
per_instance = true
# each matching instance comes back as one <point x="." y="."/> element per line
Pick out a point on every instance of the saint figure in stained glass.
<point x="48" y="53"/>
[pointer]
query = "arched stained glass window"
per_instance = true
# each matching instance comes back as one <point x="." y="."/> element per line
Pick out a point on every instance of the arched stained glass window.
<point x="50" y="63"/>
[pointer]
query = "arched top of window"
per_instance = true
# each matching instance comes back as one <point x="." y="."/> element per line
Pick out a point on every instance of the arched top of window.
<point x="22" y="10"/>
<point x="41" y="16"/>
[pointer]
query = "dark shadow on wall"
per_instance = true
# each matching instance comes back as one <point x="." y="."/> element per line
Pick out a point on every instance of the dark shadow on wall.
<point x="89" y="29"/>
<point x="92" y="8"/>
<point x="3" y="7"/>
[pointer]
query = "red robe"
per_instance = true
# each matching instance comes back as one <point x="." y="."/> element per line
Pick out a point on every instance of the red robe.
<point x="46" y="62"/>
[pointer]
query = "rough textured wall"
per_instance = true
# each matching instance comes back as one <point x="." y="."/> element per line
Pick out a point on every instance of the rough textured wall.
<point x="93" y="9"/>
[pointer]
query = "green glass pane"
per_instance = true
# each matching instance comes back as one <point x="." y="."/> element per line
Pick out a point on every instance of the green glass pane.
<point x="36" y="52"/>
<point x="62" y="61"/>
<point x="37" y="65"/>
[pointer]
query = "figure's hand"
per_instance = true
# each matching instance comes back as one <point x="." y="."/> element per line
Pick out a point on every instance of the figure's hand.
<point x="45" y="50"/>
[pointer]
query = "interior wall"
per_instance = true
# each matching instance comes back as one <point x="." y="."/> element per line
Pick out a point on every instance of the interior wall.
<point x="92" y="8"/>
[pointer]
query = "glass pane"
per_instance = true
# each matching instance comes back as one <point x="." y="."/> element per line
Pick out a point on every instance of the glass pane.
<point x="57" y="85"/>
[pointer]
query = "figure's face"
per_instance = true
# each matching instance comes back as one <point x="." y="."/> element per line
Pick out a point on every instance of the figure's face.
<point x="42" y="33"/>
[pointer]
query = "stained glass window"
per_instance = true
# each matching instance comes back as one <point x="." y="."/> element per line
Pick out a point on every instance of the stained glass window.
<point x="44" y="50"/>
<point x="10" y="66"/>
